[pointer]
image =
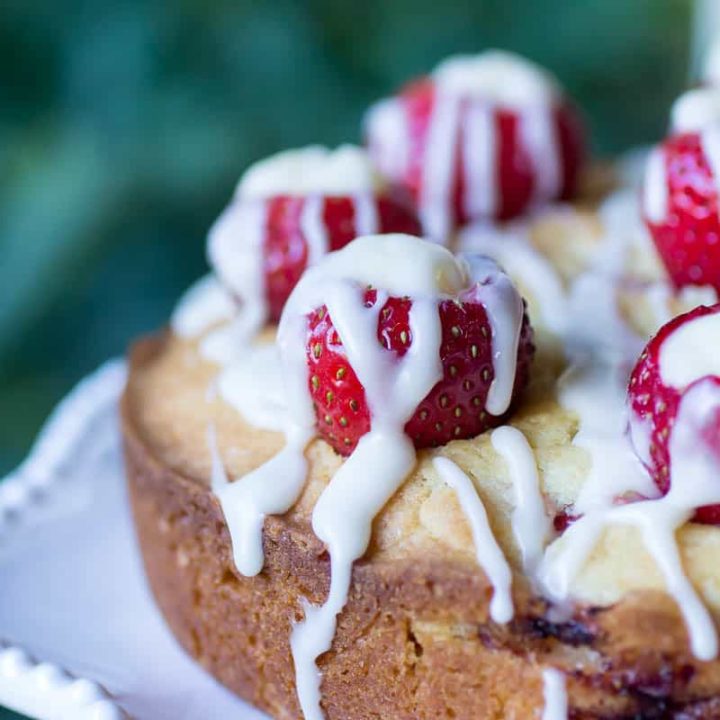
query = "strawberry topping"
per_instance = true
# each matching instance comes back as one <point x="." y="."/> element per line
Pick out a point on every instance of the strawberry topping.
<point x="515" y="171"/>
<point x="454" y="409"/>
<point x="286" y="245"/>
<point x="688" y="238"/>
<point x="654" y="405"/>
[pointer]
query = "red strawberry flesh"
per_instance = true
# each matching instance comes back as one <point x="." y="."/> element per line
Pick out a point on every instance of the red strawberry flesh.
<point x="454" y="408"/>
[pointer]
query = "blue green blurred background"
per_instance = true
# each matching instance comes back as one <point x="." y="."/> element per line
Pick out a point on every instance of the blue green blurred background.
<point x="124" y="125"/>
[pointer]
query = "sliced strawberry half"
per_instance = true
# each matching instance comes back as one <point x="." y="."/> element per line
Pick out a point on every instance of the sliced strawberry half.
<point x="687" y="234"/>
<point x="454" y="409"/>
<point x="654" y="402"/>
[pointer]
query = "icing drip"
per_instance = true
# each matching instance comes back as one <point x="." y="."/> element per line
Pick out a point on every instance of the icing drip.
<point x="218" y="476"/>
<point x="367" y="221"/>
<point x="510" y="246"/>
<point x="594" y="295"/>
<point x="439" y="166"/>
<point x="666" y="304"/>
<point x="235" y="251"/>
<point x="463" y="133"/>
<point x="530" y="523"/>
<point x="312" y="224"/>
<point x="658" y="520"/>
<point x="537" y="126"/>
<point x="624" y="231"/>
<point x="655" y="192"/>
<point x="555" y="693"/>
<point x="490" y="556"/>
<point x="271" y="489"/>
<point x="595" y="391"/>
<point x="253" y="385"/>
<point x="504" y="308"/>
<point x="480" y="160"/>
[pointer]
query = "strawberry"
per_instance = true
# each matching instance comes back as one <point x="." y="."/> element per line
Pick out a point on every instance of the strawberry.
<point x="688" y="236"/>
<point x="286" y="248"/>
<point x="654" y="405"/>
<point x="453" y="409"/>
<point x="516" y="178"/>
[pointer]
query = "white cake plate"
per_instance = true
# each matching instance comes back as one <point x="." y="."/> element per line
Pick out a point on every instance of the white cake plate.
<point x="80" y="636"/>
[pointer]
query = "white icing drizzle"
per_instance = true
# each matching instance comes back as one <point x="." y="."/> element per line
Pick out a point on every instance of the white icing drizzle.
<point x="506" y="79"/>
<point x="690" y="352"/>
<point x="623" y="230"/>
<point x="666" y="303"/>
<point x="658" y="520"/>
<point x="696" y="109"/>
<point x="530" y="522"/>
<point x="489" y="554"/>
<point x="595" y="391"/>
<point x="271" y="489"/>
<point x="710" y="142"/>
<point x="438" y="170"/>
<point x="537" y="128"/>
<point x="253" y="385"/>
<point x="655" y="191"/>
<point x="480" y="160"/>
<point x="314" y="230"/>
<point x="505" y="310"/>
<point x="510" y="246"/>
<point x="659" y="295"/>
<point x="555" y="694"/>
<point x="595" y="296"/>
<point x="388" y="138"/>
<point x="312" y="170"/>
<point x="367" y="221"/>
<point x="203" y="305"/>
<point x="218" y="475"/>
<point x="235" y="251"/>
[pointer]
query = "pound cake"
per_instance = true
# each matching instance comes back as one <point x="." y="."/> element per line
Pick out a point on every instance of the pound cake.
<point x="439" y="437"/>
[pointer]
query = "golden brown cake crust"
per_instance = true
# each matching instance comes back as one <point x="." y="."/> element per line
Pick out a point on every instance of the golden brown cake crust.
<point x="415" y="640"/>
